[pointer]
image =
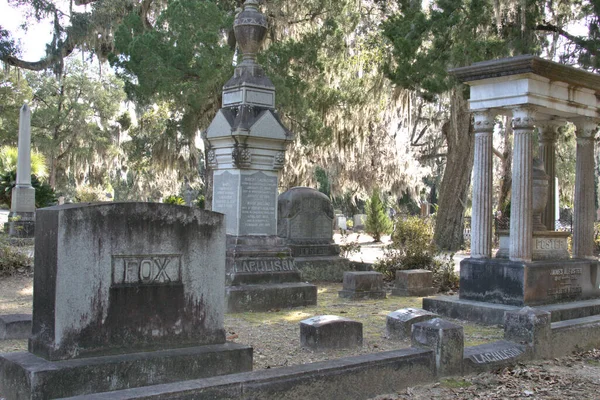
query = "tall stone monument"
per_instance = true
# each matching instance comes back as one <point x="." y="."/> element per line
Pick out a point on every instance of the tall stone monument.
<point x="22" y="211"/>
<point x="125" y="295"/>
<point x="247" y="151"/>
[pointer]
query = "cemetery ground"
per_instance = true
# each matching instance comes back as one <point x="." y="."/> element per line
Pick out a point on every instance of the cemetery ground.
<point x="275" y="337"/>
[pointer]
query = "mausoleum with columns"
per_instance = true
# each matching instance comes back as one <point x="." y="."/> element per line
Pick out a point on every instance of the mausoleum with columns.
<point x="534" y="265"/>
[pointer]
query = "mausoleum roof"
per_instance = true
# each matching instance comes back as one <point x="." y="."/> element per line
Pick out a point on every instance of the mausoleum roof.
<point x="527" y="64"/>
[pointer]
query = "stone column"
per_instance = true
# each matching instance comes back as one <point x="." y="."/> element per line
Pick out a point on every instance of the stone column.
<point x="584" y="213"/>
<point x="22" y="210"/>
<point x="521" y="222"/>
<point x="481" y="222"/>
<point x="548" y="131"/>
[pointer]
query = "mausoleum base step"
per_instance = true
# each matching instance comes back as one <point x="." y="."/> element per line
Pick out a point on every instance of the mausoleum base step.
<point x="493" y="314"/>
<point x="270" y="296"/>
<point x="26" y="376"/>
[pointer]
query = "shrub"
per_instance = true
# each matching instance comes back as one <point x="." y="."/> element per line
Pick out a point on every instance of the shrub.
<point x="348" y="248"/>
<point x="172" y="199"/>
<point x="90" y="194"/>
<point x="11" y="259"/>
<point x="200" y="202"/>
<point x="378" y="223"/>
<point x="412" y="248"/>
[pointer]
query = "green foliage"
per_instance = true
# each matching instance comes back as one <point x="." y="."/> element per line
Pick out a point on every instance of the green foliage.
<point x="173" y="199"/>
<point x="412" y="248"/>
<point x="44" y="194"/>
<point x="181" y="59"/>
<point x="8" y="161"/>
<point x="14" y="92"/>
<point x="378" y="223"/>
<point x="90" y="194"/>
<point x="200" y="202"/>
<point x="323" y="181"/>
<point x="73" y="123"/>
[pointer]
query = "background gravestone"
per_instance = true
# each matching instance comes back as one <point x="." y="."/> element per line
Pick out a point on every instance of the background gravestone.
<point x="127" y="288"/>
<point x="305" y="221"/>
<point x="22" y="210"/>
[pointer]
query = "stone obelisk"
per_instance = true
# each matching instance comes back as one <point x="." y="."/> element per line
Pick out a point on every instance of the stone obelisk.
<point x="22" y="211"/>
<point x="247" y="152"/>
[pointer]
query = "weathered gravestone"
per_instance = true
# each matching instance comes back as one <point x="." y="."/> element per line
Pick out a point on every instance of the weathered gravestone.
<point x="247" y="152"/>
<point x="125" y="295"/>
<point x="305" y="221"/>
<point x="360" y="222"/>
<point x="399" y="323"/>
<point x="21" y="219"/>
<point x="414" y="282"/>
<point x="330" y="332"/>
<point x="15" y="326"/>
<point x="362" y="285"/>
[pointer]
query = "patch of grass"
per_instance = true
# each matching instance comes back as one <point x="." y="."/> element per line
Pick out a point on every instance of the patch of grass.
<point x="455" y="383"/>
<point x="594" y="363"/>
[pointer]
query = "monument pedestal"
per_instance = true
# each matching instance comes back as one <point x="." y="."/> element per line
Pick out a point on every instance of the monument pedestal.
<point x="27" y="376"/>
<point x="21" y="219"/>
<point x="528" y="283"/>
<point x="262" y="275"/>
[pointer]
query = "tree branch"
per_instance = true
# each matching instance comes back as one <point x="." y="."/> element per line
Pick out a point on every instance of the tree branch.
<point x="578" y="40"/>
<point x="498" y="154"/>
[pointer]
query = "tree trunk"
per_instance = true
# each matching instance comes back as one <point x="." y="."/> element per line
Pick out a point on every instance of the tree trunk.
<point x="207" y="176"/>
<point x="506" y="179"/>
<point x="454" y="188"/>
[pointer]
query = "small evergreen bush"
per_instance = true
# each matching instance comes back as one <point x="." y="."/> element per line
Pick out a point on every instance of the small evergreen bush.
<point x="378" y="223"/>
<point x="172" y="199"/>
<point x="412" y="248"/>
<point x="11" y="259"/>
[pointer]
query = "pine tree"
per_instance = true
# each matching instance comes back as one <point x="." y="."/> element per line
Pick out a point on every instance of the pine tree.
<point x="378" y="223"/>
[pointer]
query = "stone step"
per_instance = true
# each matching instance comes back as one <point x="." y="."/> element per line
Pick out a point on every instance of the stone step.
<point x="267" y="297"/>
<point x="15" y="326"/>
<point x="493" y="314"/>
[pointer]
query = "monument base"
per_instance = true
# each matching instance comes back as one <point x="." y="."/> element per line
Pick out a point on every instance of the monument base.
<point x="21" y="224"/>
<point x="493" y="314"/>
<point x="26" y="376"/>
<point x="528" y="283"/>
<point x="270" y="296"/>
<point x="262" y="275"/>
<point x="330" y="268"/>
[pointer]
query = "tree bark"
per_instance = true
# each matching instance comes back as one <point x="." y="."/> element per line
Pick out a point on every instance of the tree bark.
<point x="454" y="188"/>
<point x="506" y="161"/>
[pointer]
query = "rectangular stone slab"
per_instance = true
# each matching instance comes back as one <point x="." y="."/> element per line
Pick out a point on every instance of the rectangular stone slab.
<point x="126" y="277"/>
<point x="26" y="376"/>
<point x="350" y="378"/>
<point x="532" y="283"/>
